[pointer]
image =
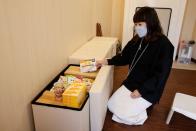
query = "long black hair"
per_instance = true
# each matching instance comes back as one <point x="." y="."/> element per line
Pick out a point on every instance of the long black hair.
<point x="149" y="15"/>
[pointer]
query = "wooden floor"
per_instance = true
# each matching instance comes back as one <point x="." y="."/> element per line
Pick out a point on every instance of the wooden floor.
<point x="183" y="81"/>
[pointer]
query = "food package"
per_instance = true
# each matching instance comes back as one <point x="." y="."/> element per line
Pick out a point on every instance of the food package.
<point x="88" y="82"/>
<point x="65" y="81"/>
<point x="88" y="65"/>
<point x="75" y="71"/>
<point x="47" y="97"/>
<point x="69" y="79"/>
<point x="75" y="95"/>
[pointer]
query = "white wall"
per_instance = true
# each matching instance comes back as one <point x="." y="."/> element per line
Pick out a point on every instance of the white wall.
<point x="36" y="38"/>
<point x="178" y="7"/>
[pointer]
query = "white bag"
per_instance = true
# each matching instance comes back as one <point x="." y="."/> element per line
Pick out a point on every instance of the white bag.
<point x="126" y="109"/>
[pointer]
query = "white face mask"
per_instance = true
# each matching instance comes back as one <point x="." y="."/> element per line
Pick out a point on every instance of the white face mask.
<point x="141" y="31"/>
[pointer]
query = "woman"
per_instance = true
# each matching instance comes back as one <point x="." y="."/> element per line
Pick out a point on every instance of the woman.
<point x="149" y="55"/>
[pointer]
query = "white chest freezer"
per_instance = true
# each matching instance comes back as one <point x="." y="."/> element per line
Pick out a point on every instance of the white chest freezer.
<point x="92" y="114"/>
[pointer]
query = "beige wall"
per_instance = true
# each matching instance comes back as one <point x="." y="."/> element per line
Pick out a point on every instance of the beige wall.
<point x="189" y="20"/>
<point x="36" y="38"/>
<point x="187" y="32"/>
<point x="109" y="13"/>
<point x="103" y="15"/>
<point x="117" y="19"/>
<point x="194" y="38"/>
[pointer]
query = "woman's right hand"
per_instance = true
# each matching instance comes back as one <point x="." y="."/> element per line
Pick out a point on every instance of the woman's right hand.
<point x="135" y="94"/>
<point x="100" y="63"/>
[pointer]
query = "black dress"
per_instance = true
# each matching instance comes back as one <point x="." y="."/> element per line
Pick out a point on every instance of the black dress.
<point x="150" y="73"/>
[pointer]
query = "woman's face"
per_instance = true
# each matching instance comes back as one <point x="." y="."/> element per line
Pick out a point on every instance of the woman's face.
<point x="138" y="24"/>
<point x="140" y="29"/>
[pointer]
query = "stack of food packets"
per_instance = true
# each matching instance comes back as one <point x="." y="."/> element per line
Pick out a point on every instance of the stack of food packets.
<point x="88" y="65"/>
<point x="71" y="89"/>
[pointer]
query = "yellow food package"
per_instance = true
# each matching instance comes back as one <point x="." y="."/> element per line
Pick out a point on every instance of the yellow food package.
<point x="75" y="71"/>
<point x="74" y="95"/>
<point x="47" y="97"/>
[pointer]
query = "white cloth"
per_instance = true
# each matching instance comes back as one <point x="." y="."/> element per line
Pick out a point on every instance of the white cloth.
<point x="126" y="109"/>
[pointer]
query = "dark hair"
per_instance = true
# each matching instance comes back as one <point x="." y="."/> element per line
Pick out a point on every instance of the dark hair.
<point x="149" y="15"/>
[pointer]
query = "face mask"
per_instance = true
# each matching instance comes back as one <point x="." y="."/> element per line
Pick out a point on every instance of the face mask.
<point x="141" y="31"/>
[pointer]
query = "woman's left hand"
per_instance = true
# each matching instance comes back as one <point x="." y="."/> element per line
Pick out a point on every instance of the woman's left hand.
<point x="135" y="94"/>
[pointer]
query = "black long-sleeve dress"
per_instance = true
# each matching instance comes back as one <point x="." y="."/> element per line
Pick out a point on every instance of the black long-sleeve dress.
<point x="150" y="73"/>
